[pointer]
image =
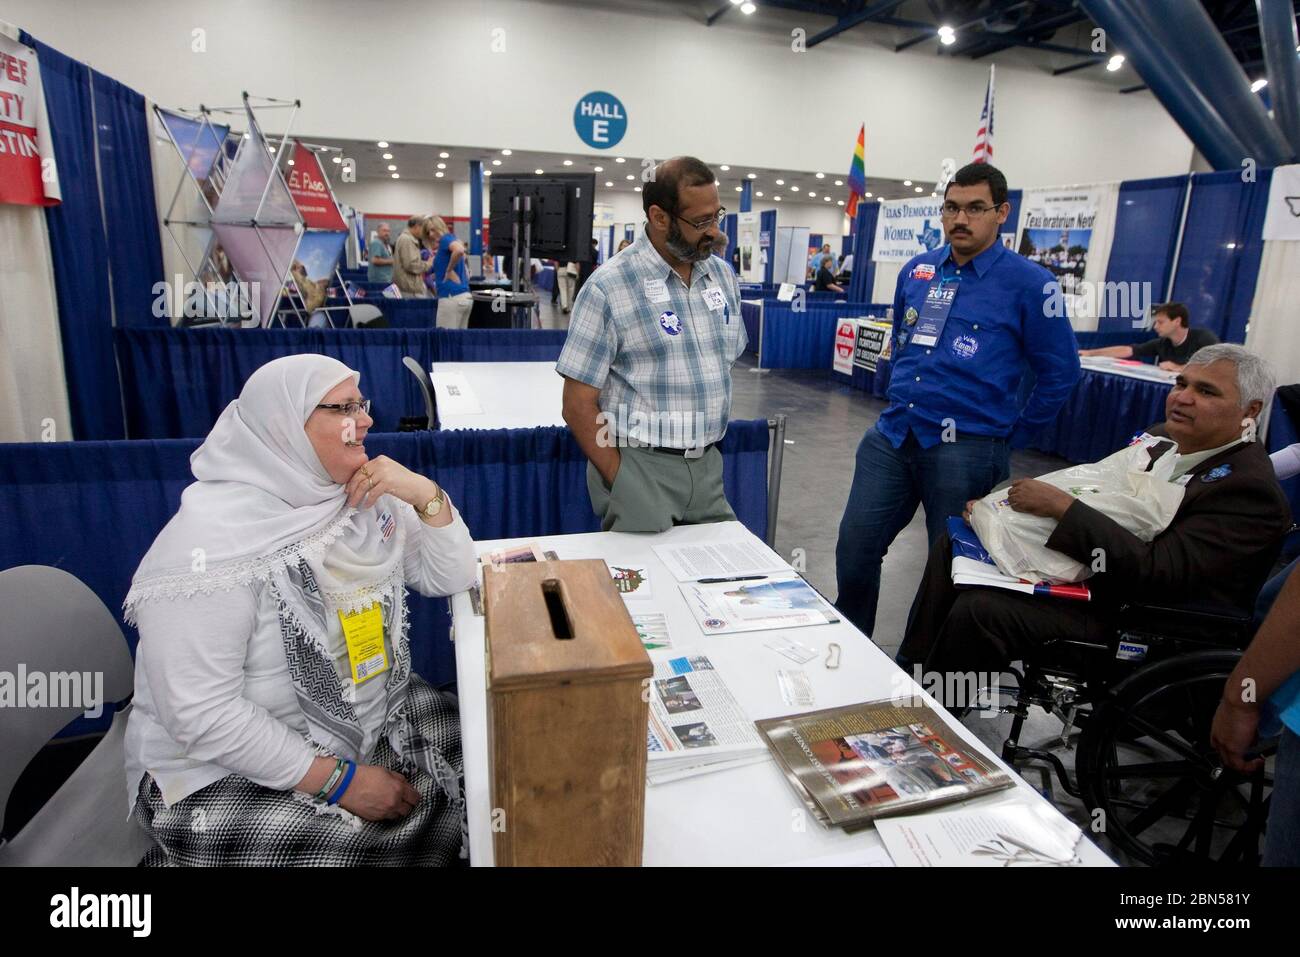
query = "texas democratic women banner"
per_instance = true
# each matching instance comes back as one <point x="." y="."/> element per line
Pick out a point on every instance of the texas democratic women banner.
<point x="906" y="228"/>
<point x="28" y="175"/>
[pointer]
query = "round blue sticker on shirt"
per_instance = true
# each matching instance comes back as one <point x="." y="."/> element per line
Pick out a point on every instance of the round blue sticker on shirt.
<point x="670" y="323"/>
<point x="965" y="346"/>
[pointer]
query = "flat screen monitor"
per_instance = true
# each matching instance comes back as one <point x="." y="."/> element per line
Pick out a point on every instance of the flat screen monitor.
<point x="562" y="211"/>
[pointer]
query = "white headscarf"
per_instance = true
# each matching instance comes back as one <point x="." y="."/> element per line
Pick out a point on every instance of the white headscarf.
<point x="263" y="501"/>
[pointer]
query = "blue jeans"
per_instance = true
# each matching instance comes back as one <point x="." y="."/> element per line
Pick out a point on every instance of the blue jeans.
<point x="888" y="484"/>
<point x="1282" y="835"/>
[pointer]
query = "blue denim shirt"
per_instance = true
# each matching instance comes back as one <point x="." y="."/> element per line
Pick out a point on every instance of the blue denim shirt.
<point x="1008" y="315"/>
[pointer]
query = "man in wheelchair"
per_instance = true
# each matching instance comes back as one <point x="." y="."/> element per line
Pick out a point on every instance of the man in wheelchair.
<point x="1216" y="553"/>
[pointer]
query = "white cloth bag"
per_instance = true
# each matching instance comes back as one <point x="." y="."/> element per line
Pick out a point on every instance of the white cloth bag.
<point x="1120" y="486"/>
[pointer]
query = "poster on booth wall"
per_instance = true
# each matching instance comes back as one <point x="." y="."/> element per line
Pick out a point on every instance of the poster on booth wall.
<point x="747" y="237"/>
<point x="1282" y="217"/>
<point x="846" y="335"/>
<point x="311" y="192"/>
<point x="28" y="174"/>
<point x="906" y="228"/>
<point x="1056" y="232"/>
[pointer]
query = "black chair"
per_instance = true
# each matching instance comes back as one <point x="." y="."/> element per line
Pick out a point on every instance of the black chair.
<point x="1143" y="703"/>
<point x="430" y="421"/>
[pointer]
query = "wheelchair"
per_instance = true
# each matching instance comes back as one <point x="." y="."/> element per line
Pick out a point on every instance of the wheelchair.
<point x="1142" y="704"/>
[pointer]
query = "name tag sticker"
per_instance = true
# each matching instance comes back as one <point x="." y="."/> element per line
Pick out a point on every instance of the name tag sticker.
<point x="934" y="313"/>
<point x="655" y="290"/>
<point x="715" y="299"/>
<point x="364" y="633"/>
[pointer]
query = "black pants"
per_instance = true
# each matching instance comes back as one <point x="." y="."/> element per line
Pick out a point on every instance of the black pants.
<point x="966" y="631"/>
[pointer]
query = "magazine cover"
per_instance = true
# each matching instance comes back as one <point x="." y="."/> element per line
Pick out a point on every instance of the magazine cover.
<point x="756" y="603"/>
<point x="853" y="764"/>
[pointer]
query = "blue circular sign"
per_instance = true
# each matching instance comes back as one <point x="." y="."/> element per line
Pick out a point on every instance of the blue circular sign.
<point x="600" y="120"/>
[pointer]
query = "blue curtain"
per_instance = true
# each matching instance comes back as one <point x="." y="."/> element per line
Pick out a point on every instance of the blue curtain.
<point x="1100" y="416"/>
<point x="767" y="224"/>
<point x="729" y="227"/>
<point x="864" y="238"/>
<point x="80" y="251"/>
<point x="1013" y="217"/>
<point x="1218" y="283"/>
<point x="114" y="497"/>
<point x="130" y="213"/>
<point x="803" y="340"/>
<point x="498" y="345"/>
<point x="177" y="381"/>
<point x="1146" y="233"/>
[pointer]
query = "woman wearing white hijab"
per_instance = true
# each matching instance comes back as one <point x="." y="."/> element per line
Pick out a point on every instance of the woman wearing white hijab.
<point x="276" y="719"/>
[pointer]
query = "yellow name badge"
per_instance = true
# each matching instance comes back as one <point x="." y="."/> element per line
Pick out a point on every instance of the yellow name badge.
<point x="364" y="633"/>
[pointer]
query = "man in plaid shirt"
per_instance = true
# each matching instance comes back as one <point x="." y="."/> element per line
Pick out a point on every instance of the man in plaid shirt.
<point x="647" y="363"/>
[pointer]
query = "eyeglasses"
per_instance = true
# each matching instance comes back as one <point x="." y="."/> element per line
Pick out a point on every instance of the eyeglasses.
<point x="704" y="224"/>
<point x="348" y="408"/>
<point x="950" y="210"/>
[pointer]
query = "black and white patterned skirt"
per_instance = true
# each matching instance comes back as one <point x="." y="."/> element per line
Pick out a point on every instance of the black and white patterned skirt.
<point x="234" y="822"/>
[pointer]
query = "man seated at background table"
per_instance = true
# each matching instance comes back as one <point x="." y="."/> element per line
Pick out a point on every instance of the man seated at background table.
<point x="1217" y="551"/>
<point x="1174" y="344"/>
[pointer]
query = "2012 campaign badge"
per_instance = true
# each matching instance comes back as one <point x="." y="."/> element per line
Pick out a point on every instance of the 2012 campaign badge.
<point x="923" y="271"/>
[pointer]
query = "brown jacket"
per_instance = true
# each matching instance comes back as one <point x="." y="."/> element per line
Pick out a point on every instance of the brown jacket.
<point x="1217" y="551"/>
<point x="409" y="268"/>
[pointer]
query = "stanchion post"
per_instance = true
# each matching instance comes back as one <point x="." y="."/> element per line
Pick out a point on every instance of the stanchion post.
<point x="777" y="428"/>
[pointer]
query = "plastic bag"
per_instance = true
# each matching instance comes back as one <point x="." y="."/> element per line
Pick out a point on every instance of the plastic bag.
<point x="1144" y="502"/>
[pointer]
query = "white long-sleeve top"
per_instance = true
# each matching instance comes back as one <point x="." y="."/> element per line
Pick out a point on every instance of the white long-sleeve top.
<point x="213" y="694"/>
<point x="1286" y="462"/>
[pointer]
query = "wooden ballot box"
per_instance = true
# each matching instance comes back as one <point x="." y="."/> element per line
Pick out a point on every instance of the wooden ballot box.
<point x="567" y="716"/>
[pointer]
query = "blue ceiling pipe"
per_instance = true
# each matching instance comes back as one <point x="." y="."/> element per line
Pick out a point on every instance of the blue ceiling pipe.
<point x="1190" y="36"/>
<point x="1277" y="34"/>
<point x="1200" y="120"/>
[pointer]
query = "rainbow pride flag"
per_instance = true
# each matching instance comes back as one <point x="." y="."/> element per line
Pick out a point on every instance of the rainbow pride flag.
<point x="857" y="173"/>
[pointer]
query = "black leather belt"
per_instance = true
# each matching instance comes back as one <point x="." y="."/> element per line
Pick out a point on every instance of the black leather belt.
<point x="695" y="453"/>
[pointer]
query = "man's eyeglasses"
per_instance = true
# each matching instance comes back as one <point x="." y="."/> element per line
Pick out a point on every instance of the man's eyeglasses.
<point x="348" y="408"/>
<point x="704" y="224"/>
<point x="950" y="210"/>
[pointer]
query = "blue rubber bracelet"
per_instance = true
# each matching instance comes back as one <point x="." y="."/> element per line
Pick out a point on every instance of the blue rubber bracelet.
<point x="343" y="785"/>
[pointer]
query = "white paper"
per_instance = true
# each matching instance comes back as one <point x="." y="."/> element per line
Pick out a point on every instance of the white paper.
<point x="695" y="723"/>
<point x="873" y="855"/>
<point x="689" y="563"/>
<point x="652" y="629"/>
<point x="455" y="395"/>
<point x="977" y="837"/>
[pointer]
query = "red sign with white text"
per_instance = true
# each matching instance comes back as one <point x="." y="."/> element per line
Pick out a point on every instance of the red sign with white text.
<point x="27" y="172"/>
<point x="311" y="193"/>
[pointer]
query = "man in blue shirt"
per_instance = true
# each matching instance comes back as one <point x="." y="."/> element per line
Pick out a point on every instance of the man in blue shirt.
<point x="968" y="318"/>
<point x="450" y="276"/>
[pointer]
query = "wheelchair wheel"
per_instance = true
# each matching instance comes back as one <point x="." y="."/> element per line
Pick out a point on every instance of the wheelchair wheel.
<point x="1146" y="762"/>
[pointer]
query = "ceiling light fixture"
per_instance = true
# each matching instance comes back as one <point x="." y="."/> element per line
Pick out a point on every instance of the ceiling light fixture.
<point x="506" y="152"/>
<point x="747" y="8"/>
<point x="444" y="155"/>
<point x="1115" y="62"/>
<point x="388" y="156"/>
<point x="382" y="144"/>
<point x="442" y="166"/>
<point x="568" y="162"/>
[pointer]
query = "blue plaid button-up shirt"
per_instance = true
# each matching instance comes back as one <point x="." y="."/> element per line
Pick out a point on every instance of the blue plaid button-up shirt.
<point x="659" y="354"/>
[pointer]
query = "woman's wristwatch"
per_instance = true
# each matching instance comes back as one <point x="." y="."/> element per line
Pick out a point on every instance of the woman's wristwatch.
<point x="434" y="505"/>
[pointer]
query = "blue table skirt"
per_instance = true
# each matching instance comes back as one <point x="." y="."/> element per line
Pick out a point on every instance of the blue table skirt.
<point x="750" y="312"/>
<point x="1281" y="433"/>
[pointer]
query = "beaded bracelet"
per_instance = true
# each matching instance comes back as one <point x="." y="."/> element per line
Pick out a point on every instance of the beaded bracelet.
<point x="333" y="780"/>
<point x="343" y="785"/>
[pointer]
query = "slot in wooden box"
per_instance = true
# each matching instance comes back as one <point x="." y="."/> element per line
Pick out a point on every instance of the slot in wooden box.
<point x="567" y="716"/>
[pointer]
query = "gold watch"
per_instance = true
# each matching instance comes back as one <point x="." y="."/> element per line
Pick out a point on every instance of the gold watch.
<point x="434" y="505"/>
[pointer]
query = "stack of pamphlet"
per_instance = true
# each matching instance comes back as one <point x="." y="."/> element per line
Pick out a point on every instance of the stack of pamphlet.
<point x="696" y="726"/>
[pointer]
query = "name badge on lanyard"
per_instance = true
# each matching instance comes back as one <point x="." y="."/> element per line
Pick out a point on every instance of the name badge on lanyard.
<point x="364" y="633"/>
<point x="934" y="313"/>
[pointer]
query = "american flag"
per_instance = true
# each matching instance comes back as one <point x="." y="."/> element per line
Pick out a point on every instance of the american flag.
<point x="984" y="138"/>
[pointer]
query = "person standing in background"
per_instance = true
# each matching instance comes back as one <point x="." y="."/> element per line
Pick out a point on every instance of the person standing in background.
<point x="380" y="267"/>
<point x="451" y="276"/>
<point x="410" y="267"/>
<point x="586" y="269"/>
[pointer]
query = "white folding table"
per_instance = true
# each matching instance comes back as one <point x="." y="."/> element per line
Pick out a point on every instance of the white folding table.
<point x="743" y="816"/>
<point x="509" y="395"/>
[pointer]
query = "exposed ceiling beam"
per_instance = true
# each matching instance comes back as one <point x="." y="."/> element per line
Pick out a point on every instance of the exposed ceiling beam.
<point x="870" y="12"/>
<point x="720" y="12"/>
<point x="1060" y="71"/>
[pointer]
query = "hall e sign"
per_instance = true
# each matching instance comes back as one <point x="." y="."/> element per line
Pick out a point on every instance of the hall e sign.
<point x="600" y="120"/>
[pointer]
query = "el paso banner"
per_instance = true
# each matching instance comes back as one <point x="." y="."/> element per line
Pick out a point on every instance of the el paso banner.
<point x="311" y="193"/>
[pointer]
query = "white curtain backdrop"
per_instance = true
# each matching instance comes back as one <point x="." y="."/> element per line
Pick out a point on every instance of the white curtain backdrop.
<point x="1274" y="327"/>
<point x="33" y="394"/>
<point x="882" y="286"/>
